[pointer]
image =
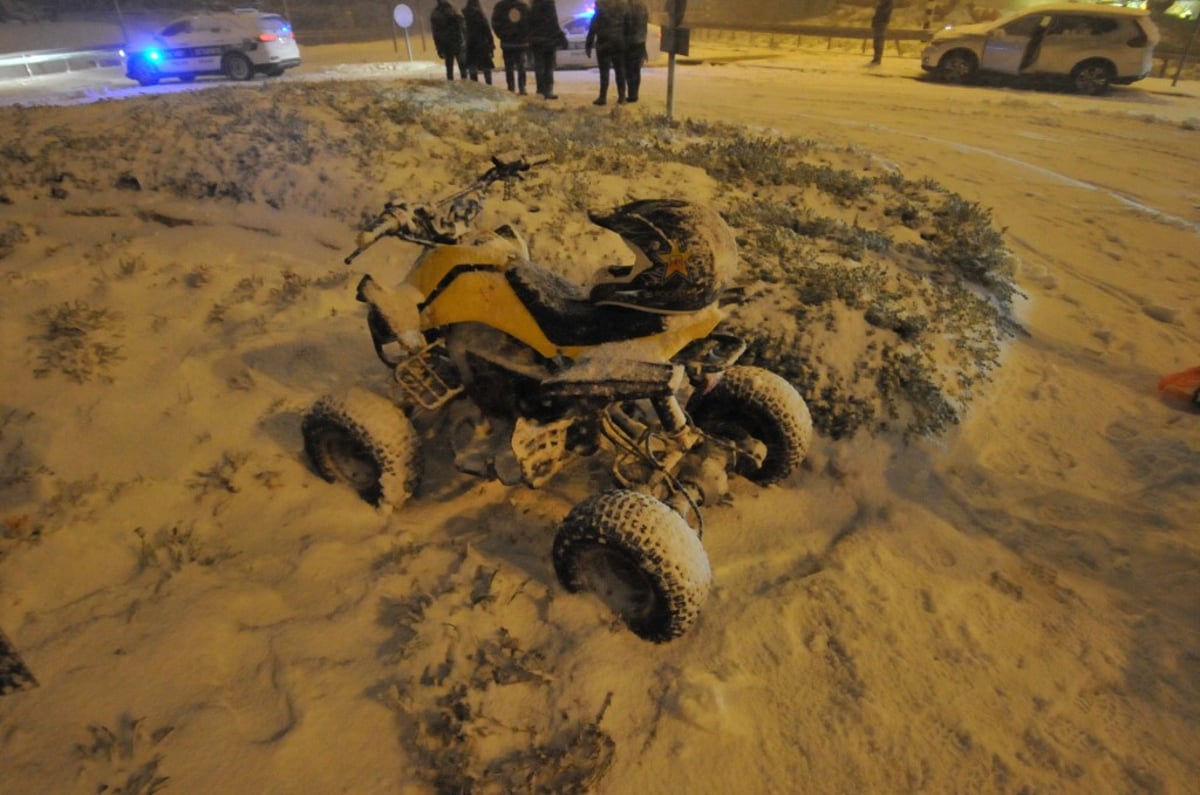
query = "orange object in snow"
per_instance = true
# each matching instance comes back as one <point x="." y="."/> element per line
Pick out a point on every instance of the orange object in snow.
<point x="1185" y="383"/>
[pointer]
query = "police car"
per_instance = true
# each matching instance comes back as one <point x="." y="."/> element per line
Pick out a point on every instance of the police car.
<point x="238" y="44"/>
<point x="575" y="56"/>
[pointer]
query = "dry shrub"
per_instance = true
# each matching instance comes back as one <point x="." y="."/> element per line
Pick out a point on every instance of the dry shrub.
<point x="77" y="340"/>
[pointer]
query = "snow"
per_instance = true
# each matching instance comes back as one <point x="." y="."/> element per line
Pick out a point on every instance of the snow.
<point x="1010" y="606"/>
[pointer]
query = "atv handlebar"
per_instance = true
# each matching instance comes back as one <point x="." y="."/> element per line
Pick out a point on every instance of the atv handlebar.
<point x="511" y="169"/>
<point x="446" y="220"/>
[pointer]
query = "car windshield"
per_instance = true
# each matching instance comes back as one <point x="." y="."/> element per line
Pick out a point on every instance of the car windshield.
<point x="1012" y="16"/>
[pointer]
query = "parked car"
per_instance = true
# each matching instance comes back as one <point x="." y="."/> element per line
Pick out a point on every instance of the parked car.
<point x="576" y="57"/>
<point x="1092" y="46"/>
<point x="238" y="44"/>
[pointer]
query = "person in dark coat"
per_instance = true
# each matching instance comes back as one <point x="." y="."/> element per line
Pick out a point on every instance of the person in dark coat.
<point x="480" y="45"/>
<point x="449" y="37"/>
<point x="636" y="22"/>
<point x="879" y="26"/>
<point x="546" y="38"/>
<point x="510" y="21"/>
<point x="606" y="34"/>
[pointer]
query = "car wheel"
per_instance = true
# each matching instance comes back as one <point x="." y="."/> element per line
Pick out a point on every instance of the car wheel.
<point x="958" y="66"/>
<point x="639" y="557"/>
<point x="1092" y="77"/>
<point x="237" y="67"/>
<point x="143" y="73"/>
<point x="363" y="440"/>
<point x="753" y="404"/>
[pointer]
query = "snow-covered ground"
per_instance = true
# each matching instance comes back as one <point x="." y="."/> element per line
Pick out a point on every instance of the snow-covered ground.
<point x="1009" y="607"/>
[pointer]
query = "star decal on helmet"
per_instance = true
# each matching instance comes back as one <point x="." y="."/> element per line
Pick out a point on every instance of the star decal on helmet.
<point x="676" y="261"/>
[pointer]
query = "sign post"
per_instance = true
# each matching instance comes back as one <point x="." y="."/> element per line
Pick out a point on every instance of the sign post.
<point x="1187" y="51"/>
<point x="121" y="21"/>
<point x="402" y="15"/>
<point x="675" y="42"/>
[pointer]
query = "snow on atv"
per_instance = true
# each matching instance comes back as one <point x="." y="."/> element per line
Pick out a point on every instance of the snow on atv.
<point x="632" y="370"/>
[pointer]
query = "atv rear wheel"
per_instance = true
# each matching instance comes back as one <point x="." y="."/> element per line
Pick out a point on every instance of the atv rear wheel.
<point x="752" y="404"/>
<point x="362" y="439"/>
<point x="640" y="557"/>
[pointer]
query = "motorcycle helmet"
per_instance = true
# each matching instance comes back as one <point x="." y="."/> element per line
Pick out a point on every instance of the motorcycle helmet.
<point x="686" y="254"/>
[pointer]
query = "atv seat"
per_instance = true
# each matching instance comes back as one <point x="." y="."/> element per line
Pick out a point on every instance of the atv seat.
<point x="569" y="319"/>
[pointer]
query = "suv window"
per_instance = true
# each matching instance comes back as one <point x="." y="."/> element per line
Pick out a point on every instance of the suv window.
<point x="1081" y="25"/>
<point x="1025" y="26"/>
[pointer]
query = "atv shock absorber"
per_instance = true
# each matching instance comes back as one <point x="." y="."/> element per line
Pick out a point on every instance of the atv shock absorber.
<point x="647" y="460"/>
<point x="670" y="414"/>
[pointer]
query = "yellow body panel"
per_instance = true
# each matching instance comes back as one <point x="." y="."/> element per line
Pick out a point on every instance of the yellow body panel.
<point x="485" y="296"/>
<point x="433" y="265"/>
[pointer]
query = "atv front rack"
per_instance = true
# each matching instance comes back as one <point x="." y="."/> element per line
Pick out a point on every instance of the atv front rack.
<point x="428" y="378"/>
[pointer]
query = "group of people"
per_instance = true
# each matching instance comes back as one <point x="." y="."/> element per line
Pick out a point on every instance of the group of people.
<point x="463" y="38"/>
<point x="618" y="34"/>
<point x="531" y="31"/>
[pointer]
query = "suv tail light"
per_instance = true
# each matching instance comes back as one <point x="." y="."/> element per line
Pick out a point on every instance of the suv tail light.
<point x="273" y="37"/>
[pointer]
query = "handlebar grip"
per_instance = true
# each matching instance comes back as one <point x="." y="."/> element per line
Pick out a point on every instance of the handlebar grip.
<point x="388" y="224"/>
<point x="504" y="168"/>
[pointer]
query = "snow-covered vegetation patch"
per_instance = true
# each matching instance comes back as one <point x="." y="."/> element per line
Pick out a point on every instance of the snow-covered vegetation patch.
<point x="883" y="299"/>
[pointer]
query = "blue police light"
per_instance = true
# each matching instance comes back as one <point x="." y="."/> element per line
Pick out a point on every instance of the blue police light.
<point x="154" y="55"/>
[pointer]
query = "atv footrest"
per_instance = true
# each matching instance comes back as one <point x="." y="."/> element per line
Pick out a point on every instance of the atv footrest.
<point x="428" y="378"/>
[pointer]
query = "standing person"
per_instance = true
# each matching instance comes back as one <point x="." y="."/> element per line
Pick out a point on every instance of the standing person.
<point x="481" y="47"/>
<point x="636" y="21"/>
<point x="879" y="25"/>
<point x="510" y="21"/>
<point x="546" y="38"/>
<point x="449" y="37"/>
<point x="607" y="34"/>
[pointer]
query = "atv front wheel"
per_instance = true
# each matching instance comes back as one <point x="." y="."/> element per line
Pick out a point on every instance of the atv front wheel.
<point x="752" y="404"/>
<point x="640" y="557"/>
<point x="362" y="439"/>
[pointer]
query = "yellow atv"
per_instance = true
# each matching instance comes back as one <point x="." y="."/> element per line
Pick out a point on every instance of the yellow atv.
<point x="631" y="369"/>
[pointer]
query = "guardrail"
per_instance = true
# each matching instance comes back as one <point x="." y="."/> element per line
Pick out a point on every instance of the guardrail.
<point x="48" y="62"/>
<point x="780" y="33"/>
<point x="1169" y="58"/>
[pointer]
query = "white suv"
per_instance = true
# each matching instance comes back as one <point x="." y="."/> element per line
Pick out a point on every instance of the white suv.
<point x="237" y="44"/>
<point x="1093" y="46"/>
